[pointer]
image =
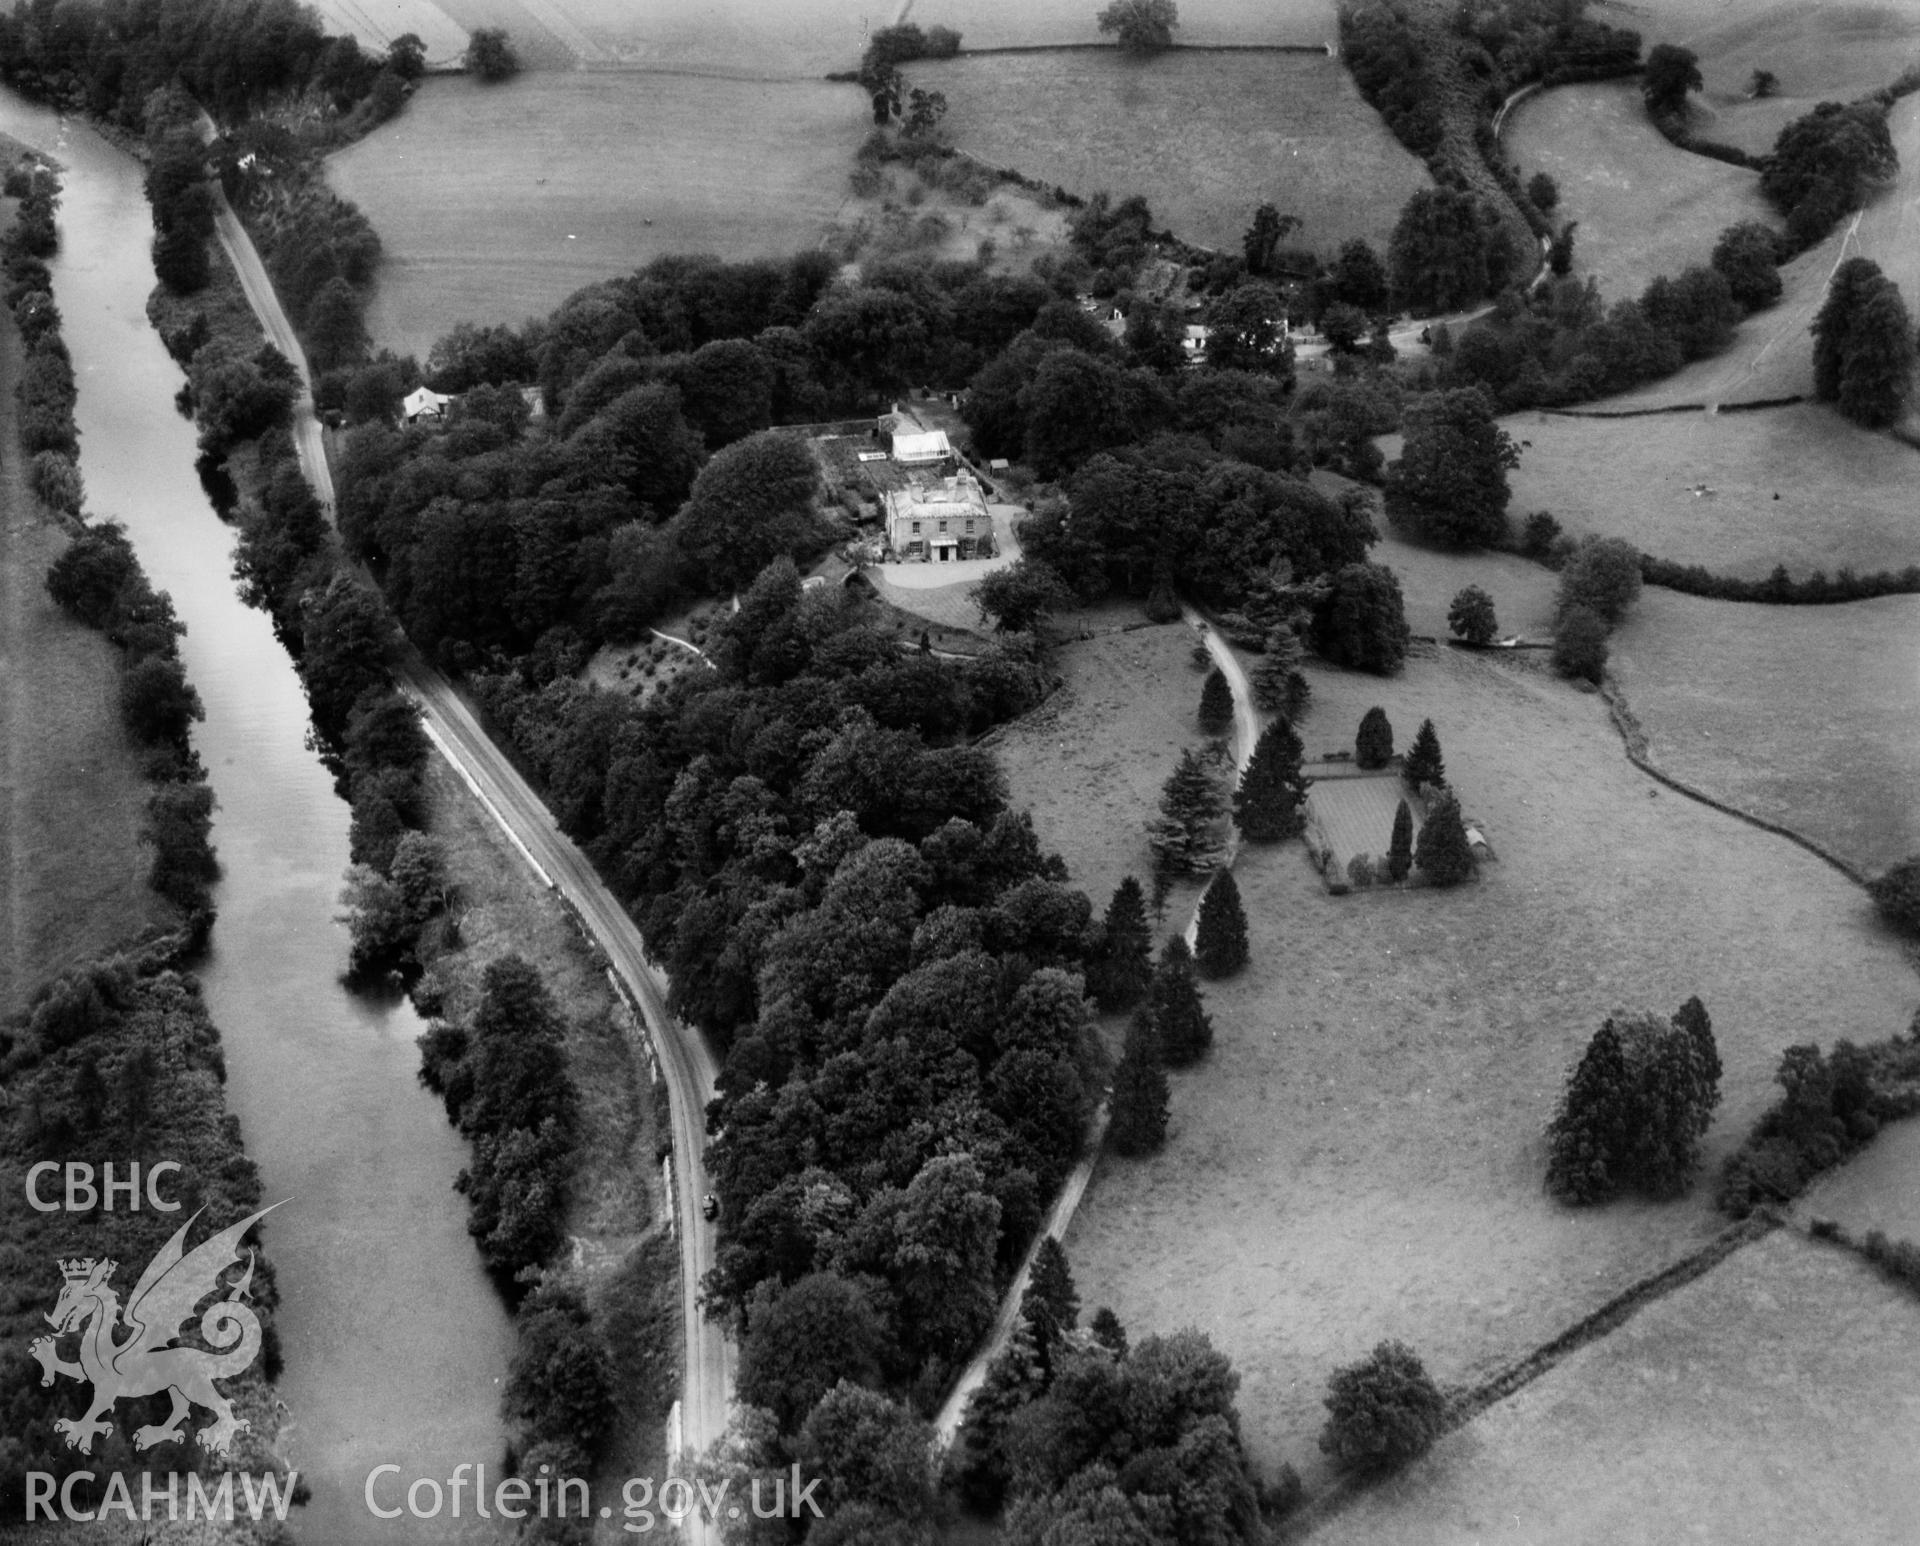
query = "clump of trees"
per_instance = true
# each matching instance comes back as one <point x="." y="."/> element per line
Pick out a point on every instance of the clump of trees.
<point x="1831" y="1104"/>
<point x="1362" y="620"/>
<point x="1141" y="26"/>
<point x="1382" y="1412"/>
<point x="1826" y="164"/>
<point x="1449" y="485"/>
<point x="1599" y="581"/>
<point x="505" y="1083"/>
<point x="490" y="55"/>
<point x="1635" y="1108"/>
<point x="1863" y="345"/>
<point x="1896" y="892"/>
<point x="1448" y="251"/>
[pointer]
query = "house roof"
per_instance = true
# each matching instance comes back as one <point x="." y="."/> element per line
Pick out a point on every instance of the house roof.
<point x="422" y="400"/>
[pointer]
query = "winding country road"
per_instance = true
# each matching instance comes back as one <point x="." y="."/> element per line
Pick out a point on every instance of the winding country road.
<point x="686" y="1061"/>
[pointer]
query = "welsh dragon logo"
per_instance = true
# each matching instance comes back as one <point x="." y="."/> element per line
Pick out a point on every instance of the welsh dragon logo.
<point x="143" y="1363"/>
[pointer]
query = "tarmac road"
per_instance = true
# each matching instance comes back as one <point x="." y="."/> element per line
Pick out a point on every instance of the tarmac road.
<point x="686" y="1062"/>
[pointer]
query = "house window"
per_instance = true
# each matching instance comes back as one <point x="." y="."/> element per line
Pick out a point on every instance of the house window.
<point x="943" y="525"/>
<point x="969" y="524"/>
<point x="916" y="528"/>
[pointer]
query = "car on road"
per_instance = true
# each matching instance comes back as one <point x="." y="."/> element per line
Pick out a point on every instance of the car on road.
<point x="709" y="1207"/>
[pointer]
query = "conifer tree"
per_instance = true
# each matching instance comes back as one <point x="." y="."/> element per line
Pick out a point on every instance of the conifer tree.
<point x="1692" y="1018"/>
<point x="1221" y="939"/>
<point x="1373" y="746"/>
<point x="1442" y="852"/>
<point x="1279" y="686"/>
<point x="1051" y="1304"/>
<point x="1425" y="766"/>
<point x="1216" y="704"/>
<point x="1108" y="1331"/>
<point x="1137" y="1119"/>
<point x="1635" y="1109"/>
<point x="1186" y="836"/>
<point x="1400" y="850"/>
<point x="1179" y="1017"/>
<point x="1124" y="971"/>
<point x="1267" y="804"/>
<point x="980" y="1466"/>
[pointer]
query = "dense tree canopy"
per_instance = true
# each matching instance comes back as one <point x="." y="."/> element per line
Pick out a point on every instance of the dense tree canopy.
<point x="1438" y="254"/>
<point x="1141" y="26"/>
<point x="1449" y="485"/>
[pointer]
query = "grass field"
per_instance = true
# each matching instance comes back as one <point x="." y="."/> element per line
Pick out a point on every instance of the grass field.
<point x="1847" y="496"/>
<point x="73" y="873"/>
<point x="1089" y="762"/>
<point x="1771" y="355"/>
<point x="795" y="39"/>
<point x="1361" y="1155"/>
<point x="1771" y="1400"/>
<point x="1876" y="1190"/>
<point x="1645" y="207"/>
<point x="1205" y="137"/>
<point x="1809" y="716"/>
<point x="495" y="203"/>
<point x="1820" y="49"/>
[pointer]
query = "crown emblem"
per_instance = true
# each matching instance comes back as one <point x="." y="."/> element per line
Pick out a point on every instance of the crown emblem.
<point x="80" y="1268"/>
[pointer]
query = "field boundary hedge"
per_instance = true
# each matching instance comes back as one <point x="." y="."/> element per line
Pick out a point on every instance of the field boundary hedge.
<point x="1634" y="738"/>
<point x="1753" y="406"/>
<point x="1465" y="1405"/>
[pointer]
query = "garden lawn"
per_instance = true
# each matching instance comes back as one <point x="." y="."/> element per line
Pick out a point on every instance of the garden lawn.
<point x="1361" y="1156"/>
<point x="1645" y="207"/>
<point x="1771" y="354"/>
<point x="1206" y="137"/>
<point x="1848" y="497"/>
<point x="495" y="203"/>
<point x="1771" y="1400"/>
<point x="1355" y="814"/>
<point x="1808" y="716"/>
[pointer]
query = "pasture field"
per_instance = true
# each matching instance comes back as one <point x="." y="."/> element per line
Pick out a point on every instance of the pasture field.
<point x="1771" y="354"/>
<point x="1361" y="1155"/>
<point x="1807" y="716"/>
<point x="1820" y="49"/>
<point x="1089" y="762"/>
<point x="1770" y="1400"/>
<point x="1645" y="207"/>
<point x="1846" y="494"/>
<point x="1875" y="1190"/>
<point x="73" y="872"/>
<point x="1205" y="137"/>
<point x="495" y="203"/>
<point x="1430" y="578"/>
<point x="795" y="39"/>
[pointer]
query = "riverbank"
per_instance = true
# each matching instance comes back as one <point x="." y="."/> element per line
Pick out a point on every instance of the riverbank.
<point x="73" y="876"/>
<point x="396" y="1346"/>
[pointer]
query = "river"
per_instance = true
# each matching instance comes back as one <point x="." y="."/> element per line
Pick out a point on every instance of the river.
<point x="395" y="1341"/>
